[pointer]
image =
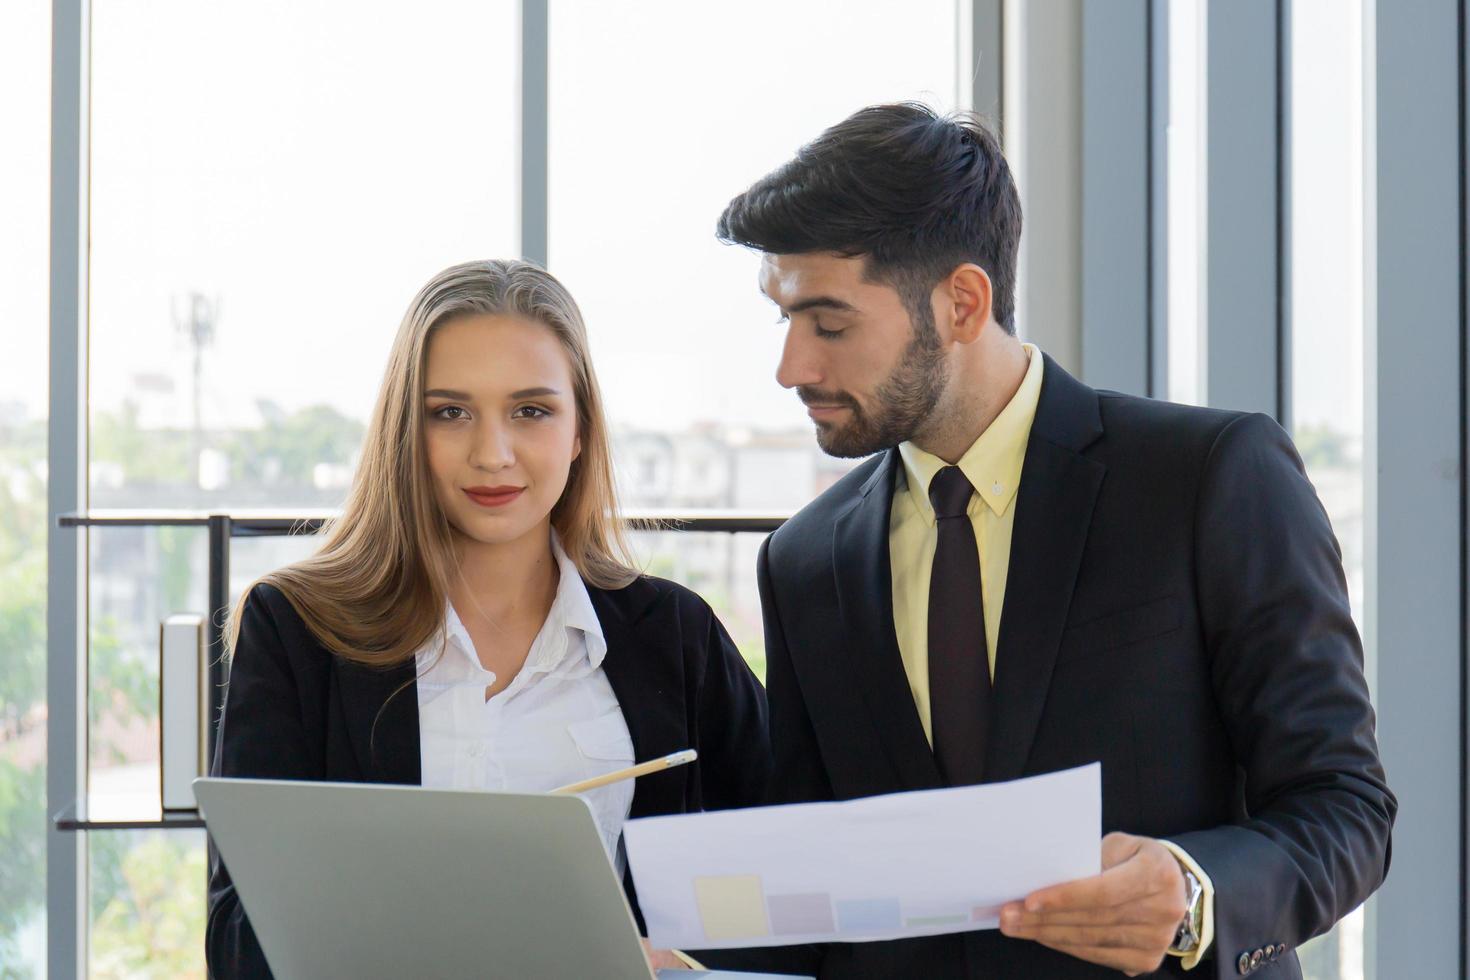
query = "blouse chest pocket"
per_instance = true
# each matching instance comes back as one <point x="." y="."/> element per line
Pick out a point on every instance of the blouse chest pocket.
<point x="605" y="746"/>
<point x="604" y="739"/>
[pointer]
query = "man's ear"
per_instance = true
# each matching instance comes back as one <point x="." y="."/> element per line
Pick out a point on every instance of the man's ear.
<point x="967" y="292"/>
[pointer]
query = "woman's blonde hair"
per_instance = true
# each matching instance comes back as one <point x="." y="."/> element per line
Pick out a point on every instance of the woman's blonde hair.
<point x="375" y="592"/>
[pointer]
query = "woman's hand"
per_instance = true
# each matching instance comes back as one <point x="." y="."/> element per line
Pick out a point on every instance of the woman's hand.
<point x="662" y="959"/>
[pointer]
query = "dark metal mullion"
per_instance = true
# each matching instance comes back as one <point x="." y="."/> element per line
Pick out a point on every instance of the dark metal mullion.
<point x="1157" y="231"/>
<point x="219" y="612"/>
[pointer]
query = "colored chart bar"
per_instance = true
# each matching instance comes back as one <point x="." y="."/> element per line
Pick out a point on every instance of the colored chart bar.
<point x="800" y="915"/>
<point x="935" y="920"/>
<point x="868" y="914"/>
<point x="731" y="907"/>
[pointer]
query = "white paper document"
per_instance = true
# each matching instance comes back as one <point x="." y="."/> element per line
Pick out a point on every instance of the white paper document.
<point x="884" y="867"/>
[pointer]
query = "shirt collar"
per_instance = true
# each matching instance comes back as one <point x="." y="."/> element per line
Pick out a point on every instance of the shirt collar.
<point x="575" y="605"/>
<point x="571" y="609"/>
<point x="993" y="462"/>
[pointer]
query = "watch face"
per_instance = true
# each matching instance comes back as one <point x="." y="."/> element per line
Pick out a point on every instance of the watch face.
<point x="1186" y="938"/>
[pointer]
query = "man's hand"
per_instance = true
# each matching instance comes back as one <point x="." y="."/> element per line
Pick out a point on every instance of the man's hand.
<point x="1124" y="918"/>
<point x="662" y="959"/>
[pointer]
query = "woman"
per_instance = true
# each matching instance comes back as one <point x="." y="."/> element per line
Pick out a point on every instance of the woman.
<point x="471" y="620"/>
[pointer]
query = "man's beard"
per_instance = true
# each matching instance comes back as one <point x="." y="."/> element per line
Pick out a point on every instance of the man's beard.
<point x="902" y="403"/>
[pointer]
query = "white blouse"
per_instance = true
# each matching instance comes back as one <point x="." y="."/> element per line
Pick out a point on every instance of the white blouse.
<point x="556" y="723"/>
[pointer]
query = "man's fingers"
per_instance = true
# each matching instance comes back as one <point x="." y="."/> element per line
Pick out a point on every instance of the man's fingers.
<point x="1153" y="908"/>
<point x="1016" y="915"/>
<point x="1143" y="935"/>
<point x="1144" y="872"/>
<point x="1124" y="918"/>
<point x="1113" y="887"/>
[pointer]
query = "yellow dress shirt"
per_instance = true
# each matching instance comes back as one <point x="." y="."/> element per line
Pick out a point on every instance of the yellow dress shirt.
<point x="993" y="466"/>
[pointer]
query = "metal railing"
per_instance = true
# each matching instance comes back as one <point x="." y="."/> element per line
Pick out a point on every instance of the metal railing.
<point x="222" y="528"/>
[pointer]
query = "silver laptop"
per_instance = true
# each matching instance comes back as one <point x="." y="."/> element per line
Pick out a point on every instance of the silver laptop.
<point x="365" y="881"/>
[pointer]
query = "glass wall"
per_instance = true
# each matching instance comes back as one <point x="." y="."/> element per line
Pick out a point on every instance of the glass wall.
<point x="270" y="185"/>
<point x="661" y="112"/>
<point x="25" y="127"/>
<point x="1325" y="316"/>
<point x="1184" y="175"/>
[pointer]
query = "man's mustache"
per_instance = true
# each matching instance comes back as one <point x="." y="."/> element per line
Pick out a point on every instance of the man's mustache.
<point x="815" y="396"/>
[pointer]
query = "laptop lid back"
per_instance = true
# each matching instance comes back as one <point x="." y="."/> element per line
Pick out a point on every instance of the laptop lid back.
<point x="394" y="881"/>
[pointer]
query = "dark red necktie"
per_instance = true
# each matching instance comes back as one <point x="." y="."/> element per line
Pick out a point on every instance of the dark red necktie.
<point x="959" y="665"/>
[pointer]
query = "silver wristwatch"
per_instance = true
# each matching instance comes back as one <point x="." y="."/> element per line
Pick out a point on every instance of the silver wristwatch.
<point x="1186" y="939"/>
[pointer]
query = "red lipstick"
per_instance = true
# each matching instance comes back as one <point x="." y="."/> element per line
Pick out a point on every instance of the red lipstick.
<point x="493" y="496"/>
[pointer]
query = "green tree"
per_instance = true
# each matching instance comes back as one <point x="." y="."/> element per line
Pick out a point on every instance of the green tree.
<point x="22" y="687"/>
<point x="287" y="448"/>
<point x="23" y="868"/>
<point x="147" y="457"/>
<point x="1321" y="447"/>
<point x="117" y="685"/>
<point x="148" y="905"/>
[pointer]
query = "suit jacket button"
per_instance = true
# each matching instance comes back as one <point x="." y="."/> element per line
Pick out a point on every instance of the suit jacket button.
<point x="1256" y="959"/>
<point x="1244" y="963"/>
<point x="1268" y="952"/>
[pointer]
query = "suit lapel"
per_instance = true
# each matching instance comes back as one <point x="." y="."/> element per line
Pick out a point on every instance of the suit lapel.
<point x="382" y="712"/>
<point x="1054" y="507"/>
<point x="644" y="666"/>
<point x="865" y="608"/>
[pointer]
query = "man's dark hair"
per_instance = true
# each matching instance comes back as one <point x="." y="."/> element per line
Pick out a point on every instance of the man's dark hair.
<point x="915" y="193"/>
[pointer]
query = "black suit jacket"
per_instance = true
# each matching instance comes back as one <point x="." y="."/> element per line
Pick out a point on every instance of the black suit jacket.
<point x="1175" y="607"/>
<point x="295" y="711"/>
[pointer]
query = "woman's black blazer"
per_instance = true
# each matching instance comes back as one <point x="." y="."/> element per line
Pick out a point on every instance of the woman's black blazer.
<point x="295" y="711"/>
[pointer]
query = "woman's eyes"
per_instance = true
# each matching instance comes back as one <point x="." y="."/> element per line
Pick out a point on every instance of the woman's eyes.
<point x="453" y="413"/>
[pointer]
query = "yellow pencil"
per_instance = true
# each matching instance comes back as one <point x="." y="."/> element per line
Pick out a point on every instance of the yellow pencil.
<point x="680" y="758"/>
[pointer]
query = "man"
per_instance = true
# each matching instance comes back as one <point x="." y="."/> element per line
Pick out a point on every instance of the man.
<point x="1032" y="575"/>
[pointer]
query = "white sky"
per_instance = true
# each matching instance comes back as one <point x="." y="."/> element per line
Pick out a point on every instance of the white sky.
<point x="312" y="167"/>
<point x="25" y="153"/>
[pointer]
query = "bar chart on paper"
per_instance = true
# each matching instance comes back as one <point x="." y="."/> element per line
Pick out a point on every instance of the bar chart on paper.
<point x="739" y="907"/>
<point x="909" y="864"/>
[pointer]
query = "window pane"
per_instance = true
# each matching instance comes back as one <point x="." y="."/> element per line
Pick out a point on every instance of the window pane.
<point x="721" y="568"/>
<point x="1326" y="316"/>
<point x="271" y="183"/>
<point x="1185" y="135"/>
<point x="139" y="576"/>
<point x="660" y="113"/>
<point x="148" y="904"/>
<point x="25" y="129"/>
